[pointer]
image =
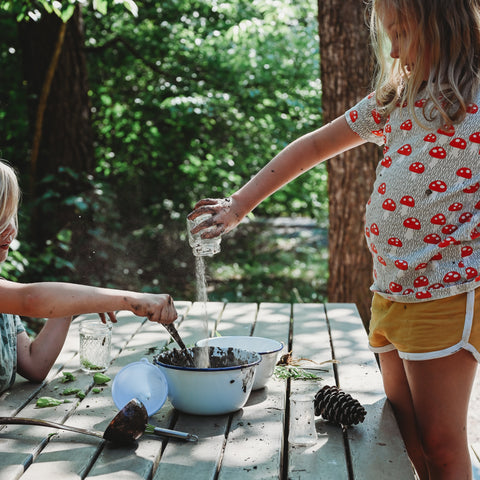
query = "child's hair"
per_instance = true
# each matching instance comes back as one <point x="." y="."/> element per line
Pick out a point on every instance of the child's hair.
<point x="9" y="195"/>
<point x="445" y="36"/>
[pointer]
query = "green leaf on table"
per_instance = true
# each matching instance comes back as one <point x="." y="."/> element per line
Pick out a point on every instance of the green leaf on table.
<point x="68" y="377"/>
<point x="100" y="379"/>
<point x="71" y="391"/>
<point x="44" y="402"/>
<point x="90" y="366"/>
<point x="149" y="428"/>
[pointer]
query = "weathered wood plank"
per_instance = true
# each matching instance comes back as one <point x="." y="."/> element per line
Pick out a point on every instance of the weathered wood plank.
<point x="255" y="441"/>
<point x="199" y="320"/>
<point x="27" y="441"/>
<point x="13" y="400"/>
<point x="259" y="416"/>
<point x="201" y="459"/>
<point x="325" y="459"/>
<point x="114" y="461"/>
<point x="377" y="450"/>
<point x="238" y="319"/>
<point x="473" y="421"/>
<point x="254" y="446"/>
<point x="94" y="412"/>
<point x="273" y="321"/>
<point x="475" y="456"/>
<point x="255" y="434"/>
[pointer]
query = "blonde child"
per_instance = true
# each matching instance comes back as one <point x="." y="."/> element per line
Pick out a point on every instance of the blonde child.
<point x="53" y="300"/>
<point x="422" y="220"/>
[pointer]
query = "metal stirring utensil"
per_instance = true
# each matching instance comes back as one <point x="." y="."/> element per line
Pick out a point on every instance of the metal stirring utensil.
<point x="175" y="335"/>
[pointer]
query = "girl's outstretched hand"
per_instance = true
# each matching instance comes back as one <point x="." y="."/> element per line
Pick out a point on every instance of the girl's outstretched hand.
<point x="156" y="307"/>
<point x="224" y="213"/>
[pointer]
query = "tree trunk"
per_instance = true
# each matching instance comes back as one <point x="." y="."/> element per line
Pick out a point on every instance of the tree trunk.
<point x="59" y="114"/>
<point x="346" y="73"/>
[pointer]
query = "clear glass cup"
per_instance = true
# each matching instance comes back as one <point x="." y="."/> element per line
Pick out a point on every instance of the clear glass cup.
<point x="95" y="345"/>
<point x="302" y="422"/>
<point x="202" y="247"/>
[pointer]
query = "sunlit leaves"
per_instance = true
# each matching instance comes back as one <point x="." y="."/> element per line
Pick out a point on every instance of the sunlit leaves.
<point x="188" y="99"/>
<point x="225" y="83"/>
<point x="100" y="6"/>
<point x="25" y="10"/>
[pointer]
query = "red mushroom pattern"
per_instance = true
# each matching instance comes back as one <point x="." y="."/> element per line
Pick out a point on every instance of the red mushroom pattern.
<point x="423" y="216"/>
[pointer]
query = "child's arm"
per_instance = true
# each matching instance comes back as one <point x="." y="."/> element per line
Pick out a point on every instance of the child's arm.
<point x="298" y="157"/>
<point x="56" y="299"/>
<point x="35" y="359"/>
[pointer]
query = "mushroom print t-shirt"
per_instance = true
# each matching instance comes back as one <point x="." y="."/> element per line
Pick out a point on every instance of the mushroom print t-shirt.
<point x="422" y="219"/>
<point x="10" y="327"/>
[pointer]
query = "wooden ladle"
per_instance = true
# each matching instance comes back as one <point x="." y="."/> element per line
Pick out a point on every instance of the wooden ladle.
<point x="128" y="425"/>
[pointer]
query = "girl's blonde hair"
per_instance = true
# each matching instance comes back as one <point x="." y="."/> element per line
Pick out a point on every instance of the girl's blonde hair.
<point x="9" y="196"/>
<point x="445" y="36"/>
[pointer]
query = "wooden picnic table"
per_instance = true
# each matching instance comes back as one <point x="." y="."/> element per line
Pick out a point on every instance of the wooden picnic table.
<point x="252" y="443"/>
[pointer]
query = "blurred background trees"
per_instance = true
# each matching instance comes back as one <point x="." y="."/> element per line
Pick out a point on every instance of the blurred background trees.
<point x="152" y="106"/>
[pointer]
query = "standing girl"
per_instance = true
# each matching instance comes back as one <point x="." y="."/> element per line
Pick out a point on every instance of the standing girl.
<point x="55" y="300"/>
<point x="422" y="220"/>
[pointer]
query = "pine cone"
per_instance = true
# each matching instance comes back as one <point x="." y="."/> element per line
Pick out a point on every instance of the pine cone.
<point x="338" y="407"/>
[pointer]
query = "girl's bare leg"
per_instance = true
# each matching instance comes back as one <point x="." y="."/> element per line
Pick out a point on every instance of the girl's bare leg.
<point x="398" y="393"/>
<point x="440" y="390"/>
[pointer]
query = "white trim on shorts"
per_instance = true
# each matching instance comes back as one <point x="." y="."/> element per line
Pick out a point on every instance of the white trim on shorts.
<point x="463" y="343"/>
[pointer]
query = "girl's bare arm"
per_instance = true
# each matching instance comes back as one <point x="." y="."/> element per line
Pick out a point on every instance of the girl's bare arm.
<point x="298" y="157"/>
<point x="57" y="299"/>
<point x="35" y="359"/>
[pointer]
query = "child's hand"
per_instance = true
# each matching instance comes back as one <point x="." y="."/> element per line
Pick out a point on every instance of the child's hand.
<point x="224" y="216"/>
<point x="111" y="316"/>
<point x="156" y="307"/>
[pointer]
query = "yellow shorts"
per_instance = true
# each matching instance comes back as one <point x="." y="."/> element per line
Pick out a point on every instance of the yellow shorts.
<point x="426" y="330"/>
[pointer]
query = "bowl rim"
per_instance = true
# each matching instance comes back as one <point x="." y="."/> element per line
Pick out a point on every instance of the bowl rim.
<point x="216" y="369"/>
<point x="279" y="347"/>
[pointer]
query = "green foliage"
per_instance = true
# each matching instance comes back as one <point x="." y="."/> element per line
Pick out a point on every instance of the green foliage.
<point x="26" y="10"/>
<point x="14" y="128"/>
<point x="212" y="92"/>
<point x="284" y="262"/>
<point x="189" y="99"/>
<point x="45" y="402"/>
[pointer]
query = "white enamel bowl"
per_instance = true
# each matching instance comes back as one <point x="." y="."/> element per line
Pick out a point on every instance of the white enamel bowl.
<point x="268" y="349"/>
<point x="214" y="390"/>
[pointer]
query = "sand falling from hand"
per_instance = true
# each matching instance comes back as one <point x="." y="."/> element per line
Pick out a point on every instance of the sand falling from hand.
<point x="203" y="360"/>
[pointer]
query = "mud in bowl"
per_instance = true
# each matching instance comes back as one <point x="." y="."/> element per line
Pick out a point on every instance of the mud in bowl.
<point x="223" y="387"/>
<point x="95" y="345"/>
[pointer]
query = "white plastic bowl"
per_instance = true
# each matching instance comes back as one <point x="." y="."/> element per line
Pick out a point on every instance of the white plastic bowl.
<point x="209" y="391"/>
<point x="268" y="348"/>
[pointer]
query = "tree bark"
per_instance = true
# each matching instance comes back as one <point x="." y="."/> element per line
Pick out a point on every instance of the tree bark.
<point x="59" y="114"/>
<point x="346" y="74"/>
